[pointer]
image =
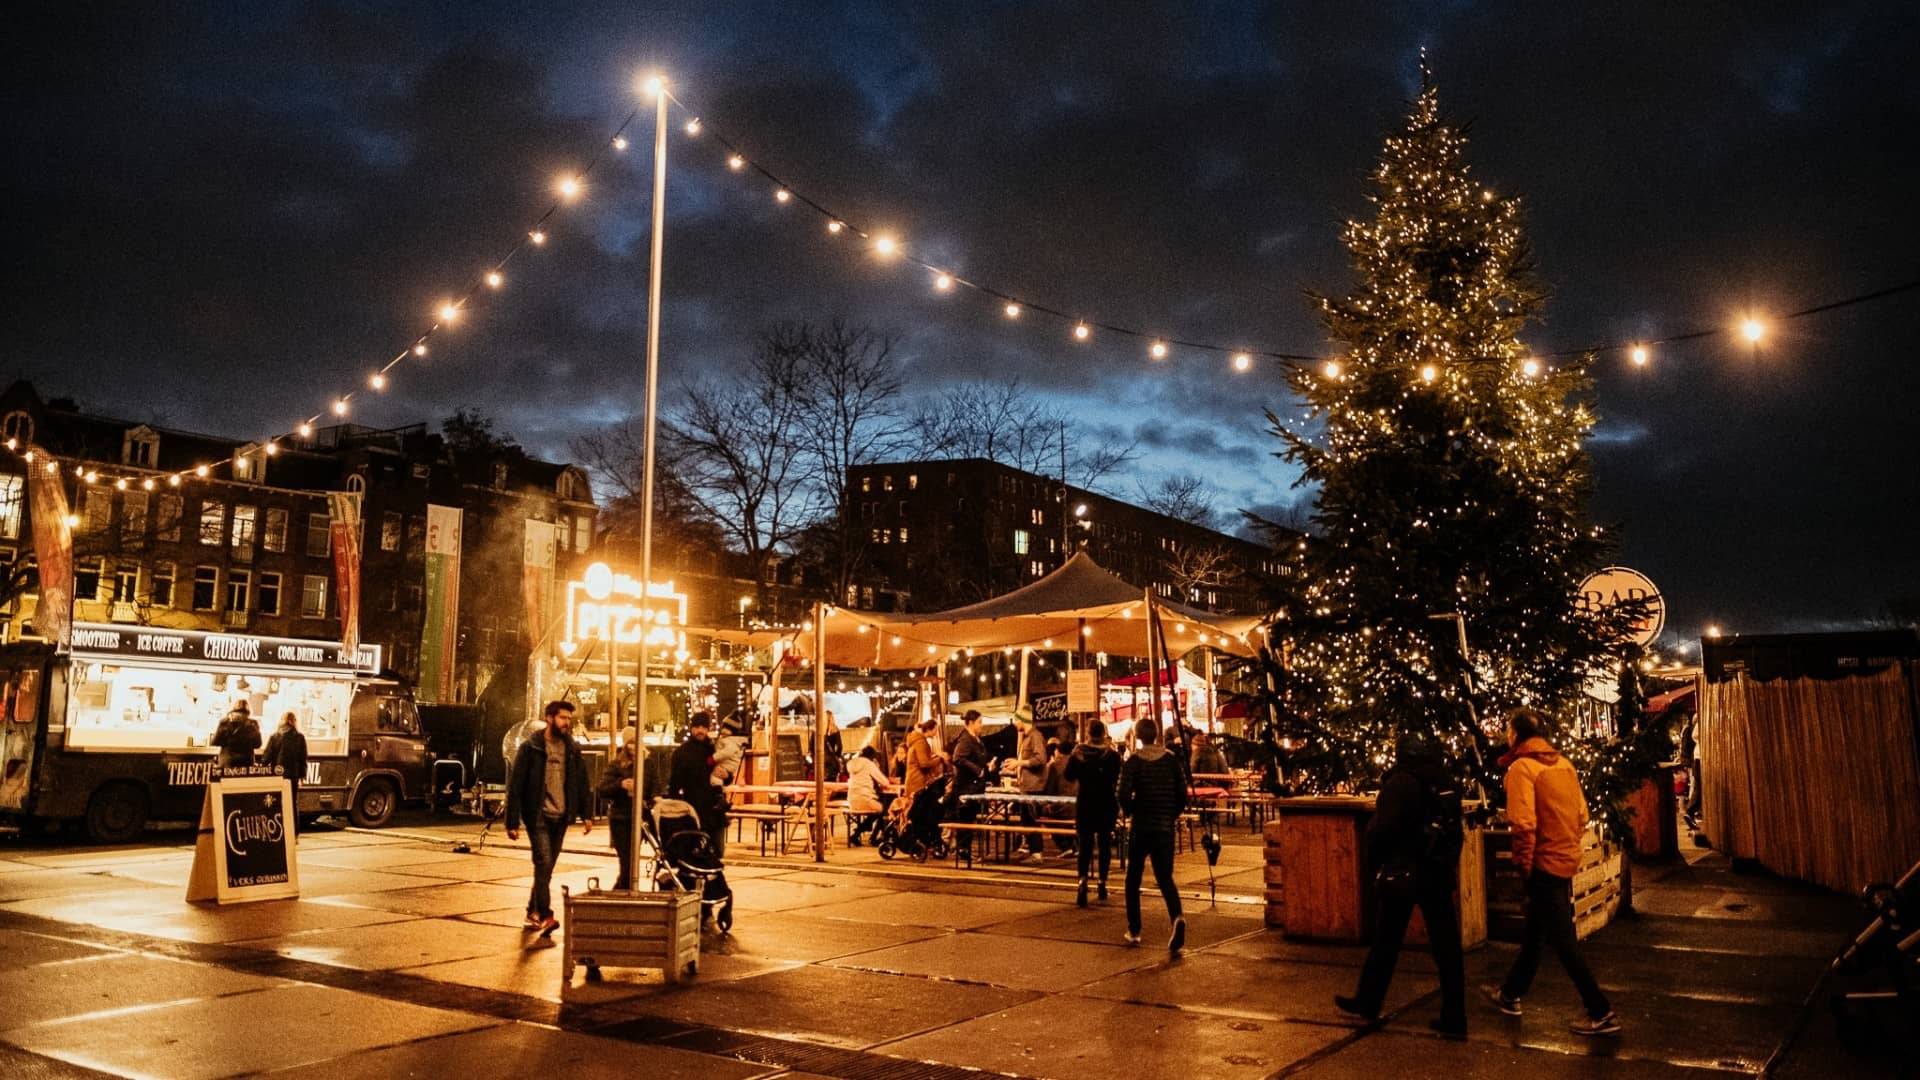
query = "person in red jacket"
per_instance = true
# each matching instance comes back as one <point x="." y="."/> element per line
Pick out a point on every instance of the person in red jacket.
<point x="1547" y="817"/>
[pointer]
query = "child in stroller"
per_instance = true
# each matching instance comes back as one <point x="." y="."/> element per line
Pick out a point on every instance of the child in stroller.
<point x="919" y="837"/>
<point x="684" y="857"/>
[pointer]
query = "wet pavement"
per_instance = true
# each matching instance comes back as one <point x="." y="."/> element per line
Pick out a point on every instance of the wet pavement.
<point x="403" y="957"/>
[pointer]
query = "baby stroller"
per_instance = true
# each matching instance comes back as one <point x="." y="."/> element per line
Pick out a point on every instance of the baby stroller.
<point x="1882" y="964"/>
<point x="684" y="858"/>
<point x="921" y="837"/>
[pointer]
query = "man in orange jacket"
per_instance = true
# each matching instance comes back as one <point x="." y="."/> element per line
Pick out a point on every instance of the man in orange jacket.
<point x="1547" y="816"/>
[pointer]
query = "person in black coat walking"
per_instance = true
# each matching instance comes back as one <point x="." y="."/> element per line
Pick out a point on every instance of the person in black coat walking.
<point x="287" y="751"/>
<point x="547" y="787"/>
<point x="1153" y="792"/>
<point x="238" y="736"/>
<point x="1413" y="843"/>
<point x="1095" y="766"/>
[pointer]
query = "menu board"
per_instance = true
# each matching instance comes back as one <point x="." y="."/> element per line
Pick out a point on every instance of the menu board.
<point x="245" y="850"/>
<point x="789" y="759"/>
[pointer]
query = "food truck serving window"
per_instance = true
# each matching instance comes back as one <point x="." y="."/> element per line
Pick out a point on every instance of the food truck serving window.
<point x="114" y="706"/>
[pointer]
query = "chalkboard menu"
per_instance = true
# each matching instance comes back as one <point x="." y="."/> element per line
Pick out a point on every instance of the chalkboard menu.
<point x="789" y="759"/>
<point x="1049" y="709"/>
<point x="245" y="850"/>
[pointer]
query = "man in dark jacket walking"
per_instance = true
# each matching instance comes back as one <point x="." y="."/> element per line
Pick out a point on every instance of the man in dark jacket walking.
<point x="1153" y="791"/>
<point x="287" y="751"/>
<point x="1413" y="844"/>
<point x="690" y="779"/>
<point x="1094" y="766"/>
<point x="547" y="788"/>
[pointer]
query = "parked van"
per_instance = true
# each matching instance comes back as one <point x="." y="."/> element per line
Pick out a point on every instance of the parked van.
<point x="117" y="731"/>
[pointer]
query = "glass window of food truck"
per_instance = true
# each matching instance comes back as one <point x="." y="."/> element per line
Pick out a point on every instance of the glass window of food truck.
<point x="129" y="707"/>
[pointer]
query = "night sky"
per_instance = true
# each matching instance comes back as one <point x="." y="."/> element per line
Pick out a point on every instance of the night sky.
<point x="221" y="217"/>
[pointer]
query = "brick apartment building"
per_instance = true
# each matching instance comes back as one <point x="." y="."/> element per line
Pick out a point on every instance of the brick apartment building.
<point x="942" y="533"/>
<point x="248" y="547"/>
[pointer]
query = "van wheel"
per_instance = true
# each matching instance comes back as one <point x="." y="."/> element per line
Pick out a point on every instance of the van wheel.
<point x="373" y="804"/>
<point x="117" y="814"/>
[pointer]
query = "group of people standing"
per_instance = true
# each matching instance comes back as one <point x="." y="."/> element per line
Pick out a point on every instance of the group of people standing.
<point x="238" y="736"/>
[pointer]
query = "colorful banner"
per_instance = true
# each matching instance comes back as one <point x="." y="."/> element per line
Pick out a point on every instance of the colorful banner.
<point x="53" y="550"/>
<point x="536" y="583"/>
<point x="440" y="630"/>
<point x="344" y="510"/>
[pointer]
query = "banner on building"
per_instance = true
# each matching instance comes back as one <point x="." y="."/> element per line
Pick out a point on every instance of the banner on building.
<point x="538" y="563"/>
<point x="53" y="551"/>
<point x="343" y="508"/>
<point x="440" y="629"/>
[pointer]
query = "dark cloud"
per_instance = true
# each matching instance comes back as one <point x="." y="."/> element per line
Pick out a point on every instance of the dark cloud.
<point x="226" y="213"/>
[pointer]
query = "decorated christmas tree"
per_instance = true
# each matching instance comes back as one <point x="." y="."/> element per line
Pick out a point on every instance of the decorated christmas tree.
<point x="1452" y="484"/>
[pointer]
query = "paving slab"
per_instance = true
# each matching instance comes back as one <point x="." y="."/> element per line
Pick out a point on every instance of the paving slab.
<point x="109" y="857"/>
<point x="780" y="935"/>
<point x="1261" y="989"/>
<point x="386" y="856"/>
<point x="105" y="906"/>
<point x="773" y="894"/>
<point x="1393" y="1053"/>
<point x="851" y="1009"/>
<point x="328" y="881"/>
<point x="17" y="887"/>
<point x="1685" y="936"/>
<point x="20" y="949"/>
<point x="182" y="921"/>
<point x="515" y="1050"/>
<point x="532" y="969"/>
<point x="929" y="909"/>
<point x="404" y="944"/>
<point x="1016" y="963"/>
<point x="1103" y="923"/>
<point x="77" y="988"/>
<point x="489" y="868"/>
<point x="1101" y="1038"/>
<point x="446" y="898"/>
<point x="1271" y="944"/>
<point x="206" y="1037"/>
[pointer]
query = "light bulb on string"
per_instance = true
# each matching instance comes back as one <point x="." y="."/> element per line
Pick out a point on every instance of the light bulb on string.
<point x="340" y="406"/>
<point x="1241" y="361"/>
<point x="834" y="227"/>
<point x="693" y="126"/>
<point x="568" y="187"/>
<point x="420" y="348"/>
<point x="653" y="85"/>
<point x="1158" y="350"/>
<point x="200" y="471"/>
<point x="1753" y="329"/>
<point x="377" y="381"/>
<point x="272" y="448"/>
<point x="943" y="282"/>
<point x="885" y="245"/>
<point x="147" y="484"/>
<point x="306" y="430"/>
<point x="782" y="195"/>
<point x="1639" y="355"/>
<point x="495" y="279"/>
<point x="537" y="237"/>
<point x="620" y="142"/>
<point x="120" y="484"/>
<point x="1081" y="333"/>
<point x="1012" y="310"/>
<point x="736" y="163"/>
<point x="1331" y="369"/>
<point x="174" y="480"/>
<point x="1530" y="368"/>
<point x="449" y="312"/>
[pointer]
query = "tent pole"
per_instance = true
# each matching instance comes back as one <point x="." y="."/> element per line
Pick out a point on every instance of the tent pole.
<point x="1153" y="676"/>
<point x="1022" y="699"/>
<point x="1213" y="712"/>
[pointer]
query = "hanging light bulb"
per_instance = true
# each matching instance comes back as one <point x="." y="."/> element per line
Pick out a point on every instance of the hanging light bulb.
<point x="537" y="237"/>
<point x="1241" y="361"/>
<point x="377" y="381"/>
<point x="147" y="484"/>
<point x="884" y="245"/>
<point x="494" y="279"/>
<point x="1159" y="350"/>
<point x="943" y="282"/>
<point x="306" y="430"/>
<point x="272" y="448"/>
<point x="693" y="126"/>
<point x="834" y="227"/>
<point x="1640" y="356"/>
<point x="736" y="162"/>
<point x="1331" y="369"/>
<point x="120" y="484"/>
<point x="449" y="312"/>
<point x="782" y="195"/>
<point x="174" y="480"/>
<point x="1531" y="368"/>
<point x="1012" y="310"/>
<point x="1429" y="373"/>
<point x="1081" y="333"/>
<point x="340" y="407"/>
<point x="1753" y="329"/>
<point x="653" y="85"/>
<point x="568" y="187"/>
<point x="420" y="349"/>
<point x="620" y="142"/>
<point x="200" y="471"/>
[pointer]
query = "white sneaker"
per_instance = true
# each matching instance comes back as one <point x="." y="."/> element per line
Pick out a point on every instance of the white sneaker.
<point x="1020" y="852"/>
<point x="1035" y="857"/>
<point x="1131" y="938"/>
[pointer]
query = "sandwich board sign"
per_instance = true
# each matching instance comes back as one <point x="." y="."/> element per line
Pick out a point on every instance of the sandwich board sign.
<point x="245" y="850"/>
<point x="1083" y="691"/>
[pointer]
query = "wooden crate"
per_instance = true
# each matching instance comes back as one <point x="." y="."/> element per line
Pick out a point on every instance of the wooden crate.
<point x="1469" y="898"/>
<point x="654" y="931"/>
<point x="1597" y="886"/>
<point x="1322" y="867"/>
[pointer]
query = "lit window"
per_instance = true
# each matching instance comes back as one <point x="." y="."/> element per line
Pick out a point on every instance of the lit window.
<point x="243" y="523"/>
<point x="13" y="494"/>
<point x="886" y="482"/>
<point x="903" y="534"/>
<point x="913" y="481"/>
<point x="276" y="536"/>
<point x="1022" y="541"/>
<point x="213" y="522"/>
<point x="866" y="483"/>
<point x="313" y="597"/>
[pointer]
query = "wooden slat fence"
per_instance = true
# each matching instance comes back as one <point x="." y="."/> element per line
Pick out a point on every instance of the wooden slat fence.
<point x="1816" y="779"/>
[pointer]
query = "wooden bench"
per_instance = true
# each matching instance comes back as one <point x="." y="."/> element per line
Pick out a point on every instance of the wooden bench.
<point x="775" y="822"/>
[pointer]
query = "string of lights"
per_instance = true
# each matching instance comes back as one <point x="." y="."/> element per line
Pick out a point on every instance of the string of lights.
<point x="569" y="189"/>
